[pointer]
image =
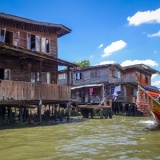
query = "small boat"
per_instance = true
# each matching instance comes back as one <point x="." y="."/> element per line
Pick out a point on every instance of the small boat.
<point x="148" y="101"/>
<point x="153" y="91"/>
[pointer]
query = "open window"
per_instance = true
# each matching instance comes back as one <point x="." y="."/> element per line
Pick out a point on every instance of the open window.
<point x="16" y="39"/>
<point x="5" y="74"/>
<point x="78" y="76"/>
<point x="46" y="77"/>
<point x="2" y="35"/>
<point x="37" y="43"/>
<point x="116" y="74"/>
<point x="9" y="37"/>
<point x="44" y="45"/>
<point x="34" y="77"/>
<point x="31" y="42"/>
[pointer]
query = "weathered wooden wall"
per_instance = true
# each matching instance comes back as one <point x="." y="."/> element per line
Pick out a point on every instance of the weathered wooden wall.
<point x="31" y="29"/>
<point x="21" y="68"/>
<point x="137" y="76"/>
<point x="143" y="78"/>
<point x="14" y="90"/>
<point x="102" y="75"/>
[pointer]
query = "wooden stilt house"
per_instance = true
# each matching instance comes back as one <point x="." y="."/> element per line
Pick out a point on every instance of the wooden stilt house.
<point x="29" y="64"/>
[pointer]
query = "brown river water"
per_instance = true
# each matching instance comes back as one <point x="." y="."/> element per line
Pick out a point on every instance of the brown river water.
<point x="130" y="138"/>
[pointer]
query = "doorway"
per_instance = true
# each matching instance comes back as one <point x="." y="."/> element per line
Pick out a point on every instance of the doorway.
<point x="1" y="73"/>
<point x="9" y="37"/>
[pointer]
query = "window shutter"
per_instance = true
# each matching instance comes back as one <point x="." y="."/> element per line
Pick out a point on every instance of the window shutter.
<point x="37" y="43"/>
<point x="16" y="39"/>
<point x="43" y="45"/>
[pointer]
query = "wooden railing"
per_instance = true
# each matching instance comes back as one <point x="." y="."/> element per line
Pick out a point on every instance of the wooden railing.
<point x="127" y="99"/>
<point x="18" y="90"/>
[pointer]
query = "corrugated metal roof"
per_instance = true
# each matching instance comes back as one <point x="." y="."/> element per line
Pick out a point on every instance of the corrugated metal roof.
<point x="86" y="86"/>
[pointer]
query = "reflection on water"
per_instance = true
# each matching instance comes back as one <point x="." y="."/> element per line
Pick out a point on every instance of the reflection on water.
<point x="132" y="138"/>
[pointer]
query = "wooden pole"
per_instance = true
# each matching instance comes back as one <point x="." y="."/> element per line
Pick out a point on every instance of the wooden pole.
<point x="68" y="114"/>
<point x="40" y="111"/>
<point x="68" y="76"/>
<point x="20" y="115"/>
<point x="55" y="113"/>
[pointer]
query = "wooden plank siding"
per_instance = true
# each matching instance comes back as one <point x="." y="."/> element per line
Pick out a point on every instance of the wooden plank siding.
<point x="19" y="90"/>
<point x="23" y="36"/>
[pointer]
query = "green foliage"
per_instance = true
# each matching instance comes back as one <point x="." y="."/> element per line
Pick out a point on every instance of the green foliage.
<point x="83" y="63"/>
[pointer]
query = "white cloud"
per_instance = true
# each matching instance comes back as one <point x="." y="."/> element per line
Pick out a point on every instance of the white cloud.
<point x="147" y="62"/>
<point x="115" y="46"/>
<point x="155" y="80"/>
<point x="91" y="56"/>
<point x="100" y="46"/>
<point x="155" y="83"/>
<point x="154" y="76"/>
<point x="145" y="17"/>
<point x="106" y="62"/>
<point x="154" y="35"/>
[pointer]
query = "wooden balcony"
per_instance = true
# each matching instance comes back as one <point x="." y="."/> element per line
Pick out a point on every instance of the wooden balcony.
<point x="126" y="99"/>
<point x="19" y="92"/>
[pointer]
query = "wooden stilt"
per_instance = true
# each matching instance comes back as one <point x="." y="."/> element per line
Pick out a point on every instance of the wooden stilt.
<point x="55" y="113"/>
<point x="40" y="111"/>
<point x="68" y="114"/>
<point x="52" y="110"/>
<point x="20" y="115"/>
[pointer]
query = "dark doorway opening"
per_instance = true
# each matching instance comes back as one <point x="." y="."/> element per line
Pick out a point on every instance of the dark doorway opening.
<point x="1" y="73"/>
<point x="9" y="37"/>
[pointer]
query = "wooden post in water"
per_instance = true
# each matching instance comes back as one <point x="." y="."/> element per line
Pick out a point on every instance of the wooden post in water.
<point x="52" y="109"/>
<point x="91" y="113"/>
<point x="40" y="111"/>
<point x="9" y="115"/>
<point x="110" y="104"/>
<point x="55" y="112"/>
<point x="68" y="114"/>
<point x="20" y="115"/>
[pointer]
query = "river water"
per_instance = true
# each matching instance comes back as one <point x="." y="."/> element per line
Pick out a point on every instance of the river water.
<point x="130" y="138"/>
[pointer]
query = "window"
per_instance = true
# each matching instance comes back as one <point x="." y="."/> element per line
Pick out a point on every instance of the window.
<point x="37" y="43"/>
<point x="33" y="42"/>
<point x="78" y="76"/>
<point x="46" y="77"/>
<point x="28" y="41"/>
<point x="35" y="76"/>
<point x="95" y="74"/>
<point x="16" y="38"/>
<point x="47" y="45"/>
<point x="2" y="35"/>
<point x="9" y="37"/>
<point x="117" y="74"/>
<point x="7" y="73"/>
<point x="44" y="45"/>
<point x="62" y="76"/>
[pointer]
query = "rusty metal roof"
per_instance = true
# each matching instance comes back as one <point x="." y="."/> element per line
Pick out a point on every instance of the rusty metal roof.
<point x="142" y="67"/>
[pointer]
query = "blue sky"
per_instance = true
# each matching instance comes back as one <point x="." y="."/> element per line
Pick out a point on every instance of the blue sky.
<point x="103" y="31"/>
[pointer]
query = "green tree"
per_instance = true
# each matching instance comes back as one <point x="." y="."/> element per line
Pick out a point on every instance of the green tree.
<point x="83" y="63"/>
